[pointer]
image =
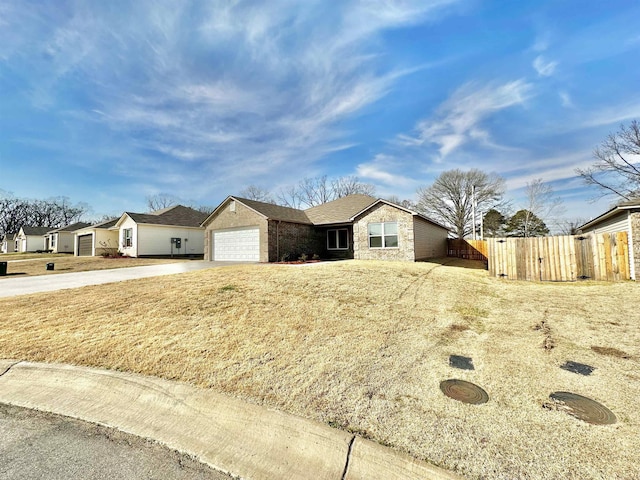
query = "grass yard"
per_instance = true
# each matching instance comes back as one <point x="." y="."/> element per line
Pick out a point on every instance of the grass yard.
<point x="35" y="264"/>
<point x="363" y="346"/>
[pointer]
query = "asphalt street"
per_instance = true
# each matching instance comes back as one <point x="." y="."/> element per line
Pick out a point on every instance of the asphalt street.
<point x="38" y="445"/>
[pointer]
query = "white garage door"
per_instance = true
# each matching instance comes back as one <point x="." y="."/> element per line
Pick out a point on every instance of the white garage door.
<point x="237" y="245"/>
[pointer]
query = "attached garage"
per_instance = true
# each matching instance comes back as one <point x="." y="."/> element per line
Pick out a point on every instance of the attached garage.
<point x="85" y="245"/>
<point x="239" y="244"/>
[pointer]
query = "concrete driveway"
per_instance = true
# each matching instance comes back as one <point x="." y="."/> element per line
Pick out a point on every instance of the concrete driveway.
<point x="10" y="287"/>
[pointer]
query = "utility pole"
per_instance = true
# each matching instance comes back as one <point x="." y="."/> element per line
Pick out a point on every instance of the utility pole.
<point x="473" y="209"/>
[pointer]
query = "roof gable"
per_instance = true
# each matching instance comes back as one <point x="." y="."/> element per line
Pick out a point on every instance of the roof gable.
<point x="269" y="211"/>
<point x="619" y="208"/>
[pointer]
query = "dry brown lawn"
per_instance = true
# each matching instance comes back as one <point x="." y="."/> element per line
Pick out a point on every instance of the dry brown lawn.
<point x="35" y="264"/>
<point x="364" y="345"/>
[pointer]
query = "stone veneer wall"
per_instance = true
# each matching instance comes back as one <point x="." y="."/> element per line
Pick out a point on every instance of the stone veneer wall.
<point x="384" y="213"/>
<point x="635" y="246"/>
<point x="293" y="239"/>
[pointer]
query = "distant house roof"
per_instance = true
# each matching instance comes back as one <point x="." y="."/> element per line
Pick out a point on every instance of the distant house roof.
<point x="622" y="206"/>
<point x="70" y="228"/>
<point x="35" y="230"/>
<point x="9" y="236"/>
<point x="178" y="215"/>
<point x="107" y="224"/>
<point x="341" y="210"/>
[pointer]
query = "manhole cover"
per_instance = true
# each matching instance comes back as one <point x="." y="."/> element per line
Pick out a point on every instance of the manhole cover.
<point x="579" y="368"/>
<point x="583" y="408"/>
<point x="463" y="363"/>
<point x="466" y="392"/>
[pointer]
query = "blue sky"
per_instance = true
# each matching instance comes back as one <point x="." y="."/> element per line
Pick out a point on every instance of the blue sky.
<point x="109" y="102"/>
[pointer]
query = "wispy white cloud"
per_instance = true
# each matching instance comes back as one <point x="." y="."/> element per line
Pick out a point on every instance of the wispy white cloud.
<point x="565" y="99"/>
<point x="381" y="170"/>
<point x="240" y="88"/>
<point x="459" y="119"/>
<point x="543" y="67"/>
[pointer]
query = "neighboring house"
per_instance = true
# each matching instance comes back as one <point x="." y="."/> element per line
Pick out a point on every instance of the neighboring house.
<point x="61" y="240"/>
<point x="8" y="243"/>
<point x="96" y="240"/>
<point x="624" y="217"/>
<point x="170" y="231"/>
<point x="355" y="226"/>
<point x="31" y="239"/>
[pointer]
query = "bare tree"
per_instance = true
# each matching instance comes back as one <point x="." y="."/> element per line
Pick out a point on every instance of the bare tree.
<point x="450" y="200"/>
<point x="253" y="192"/>
<point x="54" y="212"/>
<point x="542" y="204"/>
<point x="289" y="197"/>
<point x="410" y="204"/>
<point x="616" y="170"/>
<point x="310" y="192"/>
<point x="570" y="227"/>
<point x="343" y="186"/>
<point x="315" y="191"/>
<point x="161" y="200"/>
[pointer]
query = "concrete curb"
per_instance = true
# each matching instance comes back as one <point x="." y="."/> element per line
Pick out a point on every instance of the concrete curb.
<point x="233" y="436"/>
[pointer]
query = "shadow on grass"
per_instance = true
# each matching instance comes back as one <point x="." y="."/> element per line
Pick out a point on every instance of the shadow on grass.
<point x="13" y="274"/>
<point x="460" y="262"/>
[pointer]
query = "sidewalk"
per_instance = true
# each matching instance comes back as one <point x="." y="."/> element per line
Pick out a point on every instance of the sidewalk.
<point x="230" y="435"/>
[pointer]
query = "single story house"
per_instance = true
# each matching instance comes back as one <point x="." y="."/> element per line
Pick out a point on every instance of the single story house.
<point x="172" y="231"/>
<point x="61" y="240"/>
<point x="624" y="217"/>
<point x="8" y="243"/>
<point x="31" y="239"/>
<point x="96" y="240"/>
<point x="356" y="226"/>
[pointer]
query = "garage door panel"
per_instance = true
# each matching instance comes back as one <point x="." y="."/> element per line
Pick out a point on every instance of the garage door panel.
<point x="85" y="245"/>
<point x="237" y="245"/>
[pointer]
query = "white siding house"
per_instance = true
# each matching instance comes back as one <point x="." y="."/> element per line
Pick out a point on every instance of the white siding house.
<point x="61" y="240"/>
<point x="173" y="231"/>
<point x="31" y="239"/>
<point x="96" y="240"/>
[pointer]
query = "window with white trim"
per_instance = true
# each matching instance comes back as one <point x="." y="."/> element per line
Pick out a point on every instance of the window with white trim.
<point x="338" y="239"/>
<point x="383" y="235"/>
<point x="127" y="237"/>
<point x="53" y="241"/>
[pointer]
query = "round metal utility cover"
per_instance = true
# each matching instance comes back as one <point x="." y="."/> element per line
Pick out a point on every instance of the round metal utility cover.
<point x="466" y="392"/>
<point x="584" y="408"/>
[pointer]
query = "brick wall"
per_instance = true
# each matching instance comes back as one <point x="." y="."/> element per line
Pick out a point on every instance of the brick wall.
<point x="293" y="239"/>
<point x="384" y="213"/>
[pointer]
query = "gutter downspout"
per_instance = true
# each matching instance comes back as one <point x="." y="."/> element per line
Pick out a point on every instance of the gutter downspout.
<point x="278" y="241"/>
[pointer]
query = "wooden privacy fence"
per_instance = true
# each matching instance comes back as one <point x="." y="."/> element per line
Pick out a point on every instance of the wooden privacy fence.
<point x="469" y="249"/>
<point x="565" y="258"/>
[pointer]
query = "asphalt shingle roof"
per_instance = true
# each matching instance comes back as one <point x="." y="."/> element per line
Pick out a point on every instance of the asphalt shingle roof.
<point x="276" y="212"/>
<point x="35" y="230"/>
<point x="340" y="210"/>
<point x="179" y="215"/>
<point x="70" y="228"/>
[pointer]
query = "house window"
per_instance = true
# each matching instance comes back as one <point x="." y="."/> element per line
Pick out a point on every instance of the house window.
<point x="53" y="241"/>
<point x="383" y="235"/>
<point x="338" y="239"/>
<point x="127" y="237"/>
